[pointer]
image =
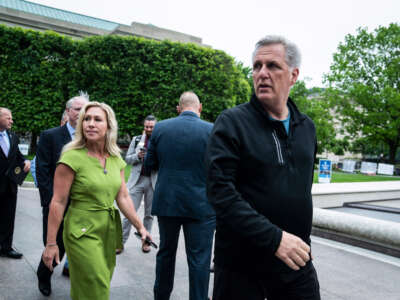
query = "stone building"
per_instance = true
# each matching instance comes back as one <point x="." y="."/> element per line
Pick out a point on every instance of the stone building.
<point x="40" y="17"/>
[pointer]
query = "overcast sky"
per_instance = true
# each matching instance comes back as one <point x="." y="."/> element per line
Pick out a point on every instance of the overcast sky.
<point x="317" y="26"/>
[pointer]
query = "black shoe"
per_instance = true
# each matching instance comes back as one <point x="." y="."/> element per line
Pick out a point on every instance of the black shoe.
<point x="10" y="253"/>
<point x="44" y="286"/>
<point x="65" y="272"/>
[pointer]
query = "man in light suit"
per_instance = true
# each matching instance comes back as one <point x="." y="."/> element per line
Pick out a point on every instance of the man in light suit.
<point x="9" y="157"/>
<point x="48" y="153"/>
<point x="141" y="184"/>
<point x="176" y="150"/>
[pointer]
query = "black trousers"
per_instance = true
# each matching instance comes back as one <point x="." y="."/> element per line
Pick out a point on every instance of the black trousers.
<point x="8" y="206"/>
<point x="299" y="285"/>
<point x="43" y="272"/>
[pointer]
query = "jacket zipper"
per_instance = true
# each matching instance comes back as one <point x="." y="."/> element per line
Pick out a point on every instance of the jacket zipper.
<point x="278" y="148"/>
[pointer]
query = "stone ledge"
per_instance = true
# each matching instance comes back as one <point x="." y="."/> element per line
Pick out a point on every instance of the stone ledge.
<point x="28" y="184"/>
<point x="356" y="241"/>
<point x="369" y="229"/>
<point x="355" y="187"/>
<point x="336" y="194"/>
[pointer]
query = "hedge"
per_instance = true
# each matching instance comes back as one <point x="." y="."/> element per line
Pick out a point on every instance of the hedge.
<point x="40" y="71"/>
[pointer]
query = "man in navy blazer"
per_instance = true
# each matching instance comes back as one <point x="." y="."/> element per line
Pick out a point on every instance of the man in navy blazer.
<point x="176" y="150"/>
<point x="48" y="152"/>
<point x="9" y="157"/>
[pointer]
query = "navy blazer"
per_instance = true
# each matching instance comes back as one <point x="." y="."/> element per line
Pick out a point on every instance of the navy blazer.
<point x="14" y="156"/>
<point x="177" y="149"/>
<point x="48" y="152"/>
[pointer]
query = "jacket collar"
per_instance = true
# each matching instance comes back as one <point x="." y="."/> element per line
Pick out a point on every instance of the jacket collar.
<point x="10" y="138"/>
<point x="189" y="113"/>
<point x="71" y="130"/>
<point x="295" y="115"/>
<point x="67" y="135"/>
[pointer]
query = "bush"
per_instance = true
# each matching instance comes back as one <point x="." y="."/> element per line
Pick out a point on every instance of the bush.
<point x="41" y="71"/>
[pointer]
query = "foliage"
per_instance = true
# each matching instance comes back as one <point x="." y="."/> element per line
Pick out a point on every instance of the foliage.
<point x="314" y="105"/>
<point x="138" y="77"/>
<point x="247" y="73"/>
<point x="41" y="71"/>
<point x="365" y="86"/>
<point x="32" y="73"/>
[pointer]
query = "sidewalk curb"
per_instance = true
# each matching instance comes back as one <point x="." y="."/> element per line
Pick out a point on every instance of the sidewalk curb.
<point x="369" y="229"/>
<point x="28" y="184"/>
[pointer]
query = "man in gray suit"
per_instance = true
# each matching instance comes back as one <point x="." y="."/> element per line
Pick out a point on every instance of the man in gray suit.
<point x="177" y="148"/>
<point x="141" y="184"/>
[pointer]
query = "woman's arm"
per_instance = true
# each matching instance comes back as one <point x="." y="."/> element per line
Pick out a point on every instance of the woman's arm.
<point x="125" y="204"/>
<point x="63" y="179"/>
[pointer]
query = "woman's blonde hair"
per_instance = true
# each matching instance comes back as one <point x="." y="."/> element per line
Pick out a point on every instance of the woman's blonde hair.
<point x="79" y="142"/>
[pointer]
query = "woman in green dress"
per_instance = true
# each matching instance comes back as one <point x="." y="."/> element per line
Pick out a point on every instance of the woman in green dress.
<point x="91" y="173"/>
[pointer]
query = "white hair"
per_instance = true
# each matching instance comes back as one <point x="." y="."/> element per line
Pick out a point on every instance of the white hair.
<point x="5" y="110"/>
<point x="82" y="95"/>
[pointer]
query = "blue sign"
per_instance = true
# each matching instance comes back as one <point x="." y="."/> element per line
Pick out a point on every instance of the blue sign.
<point x="325" y="171"/>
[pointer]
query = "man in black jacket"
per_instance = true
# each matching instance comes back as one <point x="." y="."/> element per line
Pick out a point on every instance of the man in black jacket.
<point x="260" y="163"/>
<point x="48" y="153"/>
<point x="10" y="157"/>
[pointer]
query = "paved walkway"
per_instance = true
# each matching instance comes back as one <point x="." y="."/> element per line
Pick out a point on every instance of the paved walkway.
<point x="352" y="187"/>
<point x="345" y="272"/>
<point x="345" y="187"/>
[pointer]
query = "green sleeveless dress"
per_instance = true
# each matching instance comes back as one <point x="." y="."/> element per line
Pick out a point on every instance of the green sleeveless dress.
<point x="92" y="225"/>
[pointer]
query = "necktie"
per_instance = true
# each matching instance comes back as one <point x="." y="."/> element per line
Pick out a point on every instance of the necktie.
<point x="3" y="143"/>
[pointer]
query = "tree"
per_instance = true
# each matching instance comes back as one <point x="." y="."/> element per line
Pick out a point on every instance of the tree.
<point x="365" y="86"/>
<point x="247" y="73"/>
<point x="314" y="105"/>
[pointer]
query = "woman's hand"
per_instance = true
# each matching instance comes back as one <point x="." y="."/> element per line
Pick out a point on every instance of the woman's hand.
<point x="50" y="254"/>
<point x="145" y="234"/>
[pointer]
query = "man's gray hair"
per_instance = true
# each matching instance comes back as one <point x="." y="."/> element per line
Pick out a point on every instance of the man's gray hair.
<point x="82" y="95"/>
<point x="292" y="52"/>
<point x="3" y="109"/>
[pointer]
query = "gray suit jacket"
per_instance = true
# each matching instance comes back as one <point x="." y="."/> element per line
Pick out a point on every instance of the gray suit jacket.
<point x="133" y="159"/>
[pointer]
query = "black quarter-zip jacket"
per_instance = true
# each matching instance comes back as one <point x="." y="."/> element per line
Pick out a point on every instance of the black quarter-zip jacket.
<point x="259" y="182"/>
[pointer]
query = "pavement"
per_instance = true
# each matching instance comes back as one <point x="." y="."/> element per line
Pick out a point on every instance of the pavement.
<point x="353" y="187"/>
<point x="345" y="272"/>
<point x="328" y="195"/>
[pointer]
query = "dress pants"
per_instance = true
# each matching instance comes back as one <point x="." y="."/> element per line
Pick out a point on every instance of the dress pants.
<point x="198" y="244"/>
<point x="234" y="285"/>
<point x="142" y="190"/>
<point x="43" y="272"/>
<point x="8" y="205"/>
